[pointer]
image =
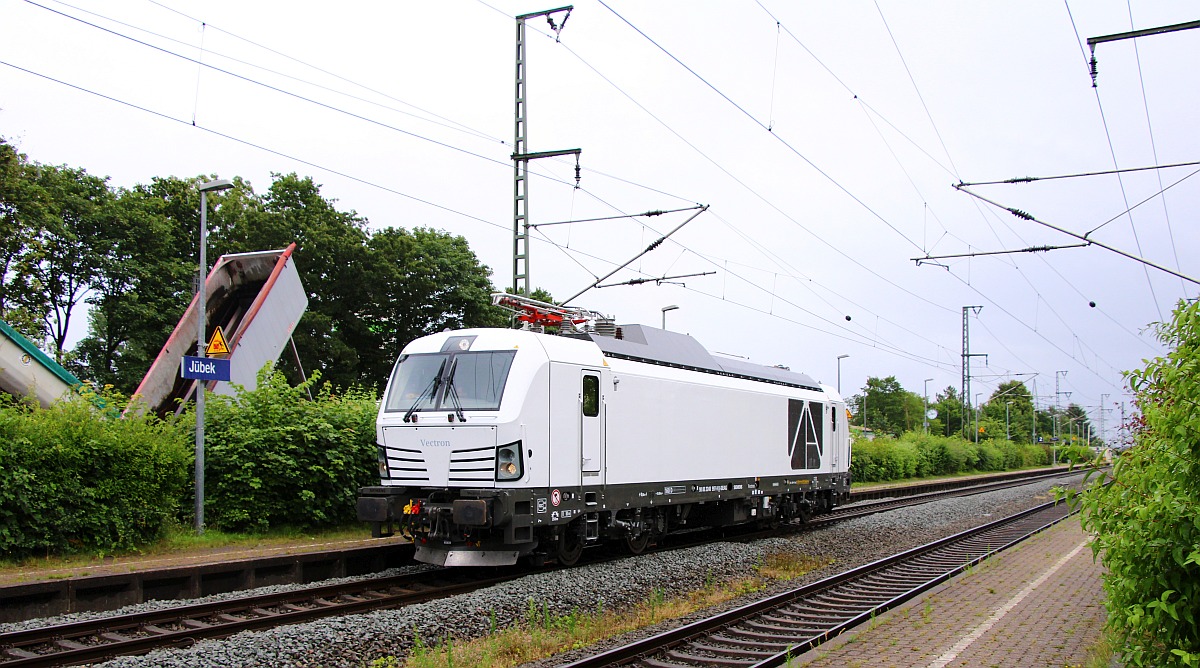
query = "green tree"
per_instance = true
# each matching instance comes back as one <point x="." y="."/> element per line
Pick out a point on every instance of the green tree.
<point x="16" y="233"/>
<point x="66" y="208"/>
<point x="1075" y="425"/>
<point x="422" y="281"/>
<point x="886" y="407"/>
<point x="144" y="280"/>
<point x="331" y="256"/>
<point x="1145" y="512"/>
<point x="950" y="411"/>
<point x="133" y="253"/>
<point x="50" y="218"/>
<point x="1011" y="407"/>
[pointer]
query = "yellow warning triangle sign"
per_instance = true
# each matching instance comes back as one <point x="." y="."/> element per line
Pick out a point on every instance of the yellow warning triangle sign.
<point x="217" y="344"/>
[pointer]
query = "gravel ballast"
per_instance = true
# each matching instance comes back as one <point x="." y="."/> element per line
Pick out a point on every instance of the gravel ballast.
<point x="354" y="641"/>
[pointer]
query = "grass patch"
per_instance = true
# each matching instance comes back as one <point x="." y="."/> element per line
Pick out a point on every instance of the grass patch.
<point x="1104" y="653"/>
<point x="542" y="634"/>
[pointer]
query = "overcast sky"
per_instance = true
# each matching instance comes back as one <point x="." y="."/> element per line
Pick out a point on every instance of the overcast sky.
<point x="826" y="139"/>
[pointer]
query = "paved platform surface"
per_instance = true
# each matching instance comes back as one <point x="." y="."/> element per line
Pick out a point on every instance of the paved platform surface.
<point x="1040" y="604"/>
<point x="35" y="572"/>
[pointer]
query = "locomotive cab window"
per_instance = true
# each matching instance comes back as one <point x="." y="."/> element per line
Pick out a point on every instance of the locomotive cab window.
<point x="422" y="382"/>
<point x="591" y="396"/>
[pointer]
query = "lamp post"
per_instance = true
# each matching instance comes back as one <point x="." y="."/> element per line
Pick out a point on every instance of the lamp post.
<point x="977" y="416"/>
<point x="672" y="307"/>
<point x="201" y="305"/>
<point x="839" y="363"/>
<point x="925" y="415"/>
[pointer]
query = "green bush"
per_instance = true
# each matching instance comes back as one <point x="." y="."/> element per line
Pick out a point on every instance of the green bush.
<point x="76" y="478"/>
<point x="275" y="458"/>
<point x="883" y="459"/>
<point x="1075" y="454"/>
<point x="914" y="454"/>
<point x="1147" y="517"/>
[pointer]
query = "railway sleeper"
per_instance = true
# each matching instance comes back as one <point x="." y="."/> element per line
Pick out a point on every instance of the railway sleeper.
<point x="881" y="587"/>
<point x="117" y="637"/>
<point x="907" y="578"/>
<point x="856" y="599"/>
<point x="749" y="651"/>
<point x="787" y="629"/>
<point x="759" y="635"/>
<point x="792" y="620"/>
<point x="755" y="629"/>
<point x="799" y="617"/>
<point x="756" y="644"/>
<point x="832" y="605"/>
<point x="710" y="660"/>
<point x="659" y="663"/>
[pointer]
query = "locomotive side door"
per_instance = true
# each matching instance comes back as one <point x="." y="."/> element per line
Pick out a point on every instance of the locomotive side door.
<point x="591" y="424"/>
<point x="835" y="434"/>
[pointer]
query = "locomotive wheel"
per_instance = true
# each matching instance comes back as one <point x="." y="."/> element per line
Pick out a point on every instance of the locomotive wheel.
<point x="637" y="544"/>
<point x="570" y="547"/>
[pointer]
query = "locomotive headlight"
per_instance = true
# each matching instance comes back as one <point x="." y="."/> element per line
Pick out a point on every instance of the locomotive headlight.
<point x="508" y="462"/>
<point x="383" y="464"/>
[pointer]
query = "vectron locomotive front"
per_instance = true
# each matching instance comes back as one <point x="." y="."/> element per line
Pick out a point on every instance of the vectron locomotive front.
<point x="497" y="444"/>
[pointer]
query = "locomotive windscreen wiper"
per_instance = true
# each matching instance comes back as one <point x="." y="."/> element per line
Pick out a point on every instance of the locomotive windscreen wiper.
<point x="453" y="393"/>
<point x="430" y="391"/>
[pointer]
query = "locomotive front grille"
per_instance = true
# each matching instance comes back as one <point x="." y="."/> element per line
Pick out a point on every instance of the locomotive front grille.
<point x="441" y="456"/>
<point x="473" y="465"/>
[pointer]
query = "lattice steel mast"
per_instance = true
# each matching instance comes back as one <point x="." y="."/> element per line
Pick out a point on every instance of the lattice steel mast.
<point x="521" y="282"/>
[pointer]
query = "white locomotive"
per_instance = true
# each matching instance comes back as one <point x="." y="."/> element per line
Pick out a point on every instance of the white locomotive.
<point x="500" y="443"/>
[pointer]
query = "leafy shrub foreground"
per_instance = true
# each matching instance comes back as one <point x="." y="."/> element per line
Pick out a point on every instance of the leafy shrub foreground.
<point x="916" y="455"/>
<point x="74" y="478"/>
<point x="273" y="457"/>
<point x="1147" y="517"/>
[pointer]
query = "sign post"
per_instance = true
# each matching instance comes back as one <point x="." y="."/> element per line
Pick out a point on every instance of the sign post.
<point x="216" y="185"/>
<point x="203" y="369"/>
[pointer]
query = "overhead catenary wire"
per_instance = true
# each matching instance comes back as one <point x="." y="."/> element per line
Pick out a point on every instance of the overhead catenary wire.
<point x="701" y="78"/>
<point x="1153" y="144"/>
<point x="816" y="237"/>
<point x="330" y="73"/>
<point x="837" y="184"/>
<point x="1113" y="153"/>
<point x="738" y="107"/>
<point x="652" y="246"/>
<point x="1080" y="175"/>
<point x="505" y="164"/>
<point x="797" y="278"/>
<point x="428" y="117"/>
<point x="255" y="146"/>
<point x="673" y="58"/>
<point x="656" y="212"/>
<point x="263" y="148"/>
<point x="1025" y="216"/>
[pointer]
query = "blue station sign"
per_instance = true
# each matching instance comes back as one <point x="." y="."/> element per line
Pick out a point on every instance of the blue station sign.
<point x="205" y="368"/>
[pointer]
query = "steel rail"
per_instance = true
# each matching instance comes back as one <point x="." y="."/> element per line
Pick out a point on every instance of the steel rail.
<point x="863" y="509"/>
<point x="137" y="633"/>
<point x="772" y="631"/>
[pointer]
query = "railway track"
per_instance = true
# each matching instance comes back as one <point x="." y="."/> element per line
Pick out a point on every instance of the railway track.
<point x="939" y="491"/>
<point x="772" y="631"/>
<point x="95" y="640"/>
